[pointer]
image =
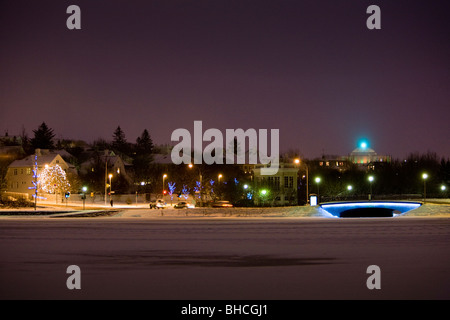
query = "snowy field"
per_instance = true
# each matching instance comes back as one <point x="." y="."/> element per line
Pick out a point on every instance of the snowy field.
<point x="280" y="253"/>
<point x="438" y="208"/>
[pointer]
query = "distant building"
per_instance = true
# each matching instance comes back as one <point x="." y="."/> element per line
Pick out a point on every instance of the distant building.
<point x="114" y="165"/>
<point x="366" y="157"/>
<point x="340" y="163"/>
<point x="363" y="157"/>
<point x="279" y="189"/>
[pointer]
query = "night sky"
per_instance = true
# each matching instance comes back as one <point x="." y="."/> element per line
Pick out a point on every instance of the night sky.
<point x="309" y="68"/>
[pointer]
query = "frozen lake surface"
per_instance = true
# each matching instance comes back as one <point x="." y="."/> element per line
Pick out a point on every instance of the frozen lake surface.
<point x="225" y="258"/>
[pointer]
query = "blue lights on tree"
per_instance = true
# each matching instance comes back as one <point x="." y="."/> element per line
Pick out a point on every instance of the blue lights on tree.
<point x="185" y="191"/>
<point x="198" y="188"/>
<point x="171" y="189"/>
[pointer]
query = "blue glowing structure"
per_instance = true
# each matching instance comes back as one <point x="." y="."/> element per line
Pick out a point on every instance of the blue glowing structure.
<point x="368" y="209"/>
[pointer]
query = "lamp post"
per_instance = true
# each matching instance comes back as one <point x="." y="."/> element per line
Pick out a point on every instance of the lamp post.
<point x="110" y="187"/>
<point x="84" y="189"/>
<point x="297" y="162"/>
<point x="370" y="183"/>
<point x="424" y="177"/>
<point x="200" y="178"/>
<point x="263" y="194"/>
<point x="164" y="178"/>
<point x="318" y="190"/>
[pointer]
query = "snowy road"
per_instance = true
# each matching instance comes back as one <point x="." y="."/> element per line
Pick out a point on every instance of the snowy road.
<point x="225" y="258"/>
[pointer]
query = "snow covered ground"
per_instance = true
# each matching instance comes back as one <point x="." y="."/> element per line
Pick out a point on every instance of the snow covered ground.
<point x="273" y="253"/>
<point x="437" y="208"/>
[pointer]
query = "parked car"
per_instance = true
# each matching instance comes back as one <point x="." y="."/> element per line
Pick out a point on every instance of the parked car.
<point x="221" y="204"/>
<point x="157" y="204"/>
<point x="183" y="205"/>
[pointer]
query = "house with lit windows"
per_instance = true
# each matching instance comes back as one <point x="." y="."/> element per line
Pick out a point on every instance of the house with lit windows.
<point x="19" y="176"/>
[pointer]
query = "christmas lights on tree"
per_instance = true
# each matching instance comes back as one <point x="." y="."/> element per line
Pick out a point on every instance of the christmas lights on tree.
<point x="171" y="189"/>
<point x="53" y="179"/>
<point x="198" y="188"/>
<point x="185" y="191"/>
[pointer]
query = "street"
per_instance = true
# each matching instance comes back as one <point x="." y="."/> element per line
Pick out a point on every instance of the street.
<point x="225" y="258"/>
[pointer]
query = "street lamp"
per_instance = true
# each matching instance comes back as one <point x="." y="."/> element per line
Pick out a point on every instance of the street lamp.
<point x="370" y="183"/>
<point x="318" y="190"/>
<point x="424" y="177"/>
<point x="263" y="194"/>
<point x="164" y="178"/>
<point x="219" y="176"/>
<point x="190" y="165"/>
<point x="84" y="189"/>
<point x="110" y="188"/>
<point x="297" y="162"/>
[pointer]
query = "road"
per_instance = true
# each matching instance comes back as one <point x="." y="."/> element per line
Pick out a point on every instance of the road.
<point x="225" y="258"/>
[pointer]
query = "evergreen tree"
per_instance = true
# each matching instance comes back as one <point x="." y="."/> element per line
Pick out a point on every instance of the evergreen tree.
<point x="119" y="142"/>
<point x="43" y="137"/>
<point x="143" y="157"/>
<point x="144" y="144"/>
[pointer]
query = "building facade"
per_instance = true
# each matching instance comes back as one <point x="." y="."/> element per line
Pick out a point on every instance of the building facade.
<point x="276" y="190"/>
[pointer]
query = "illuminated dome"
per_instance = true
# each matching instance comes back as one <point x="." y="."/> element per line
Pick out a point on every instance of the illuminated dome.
<point x="360" y="151"/>
<point x="363" y="155"/>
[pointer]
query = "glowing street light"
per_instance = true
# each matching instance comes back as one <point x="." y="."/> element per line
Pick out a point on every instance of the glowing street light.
<point x="220" y="177"/>
<point x="84" y="189"/>
<point x="163" y="178"/>
<point x="110" y="188"/>
<point x="190" y="165"/>
<point x="371" y="178"/>
<point x="317" y="180"/>
<point x="443" y="188"/>
<point x="297" y="162"/>
<point x="424" y="177"/>
<point x="263" y="192"/>
<point x="349" y="188"/>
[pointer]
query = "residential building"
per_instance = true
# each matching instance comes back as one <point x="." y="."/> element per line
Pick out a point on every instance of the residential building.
<point x="19" y="176"/>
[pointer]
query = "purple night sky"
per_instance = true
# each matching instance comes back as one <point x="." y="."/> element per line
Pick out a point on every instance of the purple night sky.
<point x="309" y="68"/>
